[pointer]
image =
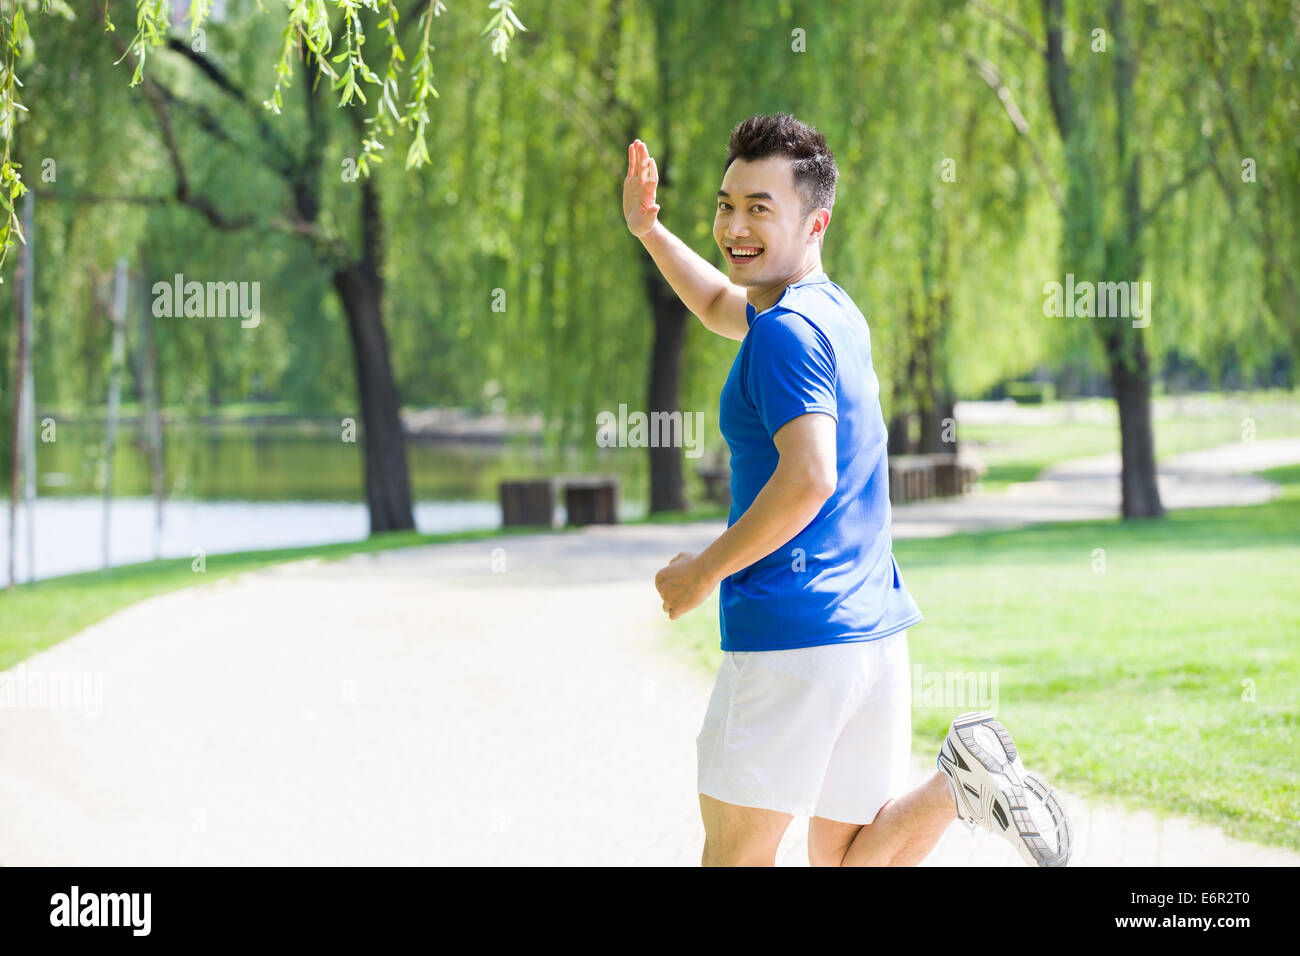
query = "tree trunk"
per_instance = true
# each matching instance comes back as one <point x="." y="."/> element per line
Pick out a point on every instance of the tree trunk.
<point x="667" y="487"/>
<point x="360" y="286"/>
<point x="937" y="403"/>
<point x="667" y="483"/>
<point x="1139" y="493"/>
<point x="359" y="283"/>
<point x="388" y="491"/>
<point x="938" y="421"/>
<point x="897" y="443"/>
<point x="1126" y="354"/>
<point x="927" y="394"/>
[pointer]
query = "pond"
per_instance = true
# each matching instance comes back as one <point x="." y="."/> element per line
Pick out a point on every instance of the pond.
<point x="235" y="487"/>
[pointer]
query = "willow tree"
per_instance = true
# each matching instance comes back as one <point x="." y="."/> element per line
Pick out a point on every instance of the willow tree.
<point x="1139" y="119"/>
<point x="936" y="212"/>
<point x="590" y="323"/>
<point x="218" y="98"/>
<point x="949" y="219"/>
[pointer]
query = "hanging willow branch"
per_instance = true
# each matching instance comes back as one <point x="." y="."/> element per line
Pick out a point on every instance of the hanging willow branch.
<point x="308" y="27"/>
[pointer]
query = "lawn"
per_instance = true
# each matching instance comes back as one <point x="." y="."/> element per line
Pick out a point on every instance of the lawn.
<point x="1167" y="678"/>
<point x="1082" y="428"/>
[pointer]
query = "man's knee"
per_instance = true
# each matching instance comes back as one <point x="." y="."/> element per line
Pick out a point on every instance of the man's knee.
<point x="827" y="856"/>
<point x="829" y="841"/>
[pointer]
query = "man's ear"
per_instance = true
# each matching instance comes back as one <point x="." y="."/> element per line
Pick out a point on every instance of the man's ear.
<point x="822" y="219"/>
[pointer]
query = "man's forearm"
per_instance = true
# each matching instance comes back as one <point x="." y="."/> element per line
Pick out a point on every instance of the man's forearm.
<point x="696" y="282"/>
<point x="785" y="506"/>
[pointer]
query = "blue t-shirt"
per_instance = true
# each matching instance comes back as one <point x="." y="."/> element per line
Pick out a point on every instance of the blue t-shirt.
<point x="835" y="581"/>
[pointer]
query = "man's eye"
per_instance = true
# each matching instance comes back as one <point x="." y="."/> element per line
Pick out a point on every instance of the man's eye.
<point x="722" y="205"/>
<point x="763" y="208"/>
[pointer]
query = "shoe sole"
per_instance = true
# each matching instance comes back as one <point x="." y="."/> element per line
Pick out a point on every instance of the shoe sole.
<point x="1012" y="806"/>
<point x="1041" y="789"/>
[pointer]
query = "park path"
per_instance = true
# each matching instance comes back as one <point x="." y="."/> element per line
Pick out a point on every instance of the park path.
<point x="1088" y="488"/>
<point x="507" y="701"/>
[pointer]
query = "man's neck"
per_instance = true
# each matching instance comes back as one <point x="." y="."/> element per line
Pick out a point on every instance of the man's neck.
<point x="767" y="296"/>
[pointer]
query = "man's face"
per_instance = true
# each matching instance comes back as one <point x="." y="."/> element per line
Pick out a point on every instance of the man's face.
<point x="759" y="209"/>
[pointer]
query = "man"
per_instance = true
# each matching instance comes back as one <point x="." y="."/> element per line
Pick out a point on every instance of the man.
<point x="811" y="708"/>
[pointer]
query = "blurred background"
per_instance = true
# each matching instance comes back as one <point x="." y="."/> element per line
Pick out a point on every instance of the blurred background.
<point x="471" y="317"/>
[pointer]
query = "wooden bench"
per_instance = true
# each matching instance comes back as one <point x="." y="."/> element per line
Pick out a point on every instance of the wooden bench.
<point x="591" y="499"/>
<point x="528" y="502"/>
<point x="911" y="478"/>
<point x="947" y="474"/>
<point x="941" y="475"/>
<point x="588" y="499"/>
<point x="955" y="474"/>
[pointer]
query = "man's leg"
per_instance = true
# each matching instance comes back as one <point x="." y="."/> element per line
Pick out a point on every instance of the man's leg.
<point x="740" y="836"/>
<point x="903" y="833"/>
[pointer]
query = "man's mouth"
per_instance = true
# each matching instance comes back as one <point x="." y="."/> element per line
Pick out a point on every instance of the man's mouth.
<point x="742" y="254"/>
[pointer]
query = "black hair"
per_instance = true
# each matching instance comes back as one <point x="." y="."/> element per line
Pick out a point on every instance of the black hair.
<point x="815" y="172"/>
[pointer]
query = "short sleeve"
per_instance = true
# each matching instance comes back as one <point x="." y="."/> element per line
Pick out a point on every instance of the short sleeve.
<point x="791" y="370"/>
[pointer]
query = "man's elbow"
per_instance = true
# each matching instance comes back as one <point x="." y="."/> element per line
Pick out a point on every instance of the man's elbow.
<point x="823" y="490"/>
<point x="818" y="486"/>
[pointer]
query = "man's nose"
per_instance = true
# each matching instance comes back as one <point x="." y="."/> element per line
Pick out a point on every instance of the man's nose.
<point x="736" y="224"/>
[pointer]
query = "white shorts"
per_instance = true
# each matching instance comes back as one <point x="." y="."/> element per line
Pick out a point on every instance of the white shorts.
<point x="817" y="731"/>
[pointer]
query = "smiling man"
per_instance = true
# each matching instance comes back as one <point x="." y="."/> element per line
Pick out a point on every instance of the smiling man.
<point x="811" y="708"/>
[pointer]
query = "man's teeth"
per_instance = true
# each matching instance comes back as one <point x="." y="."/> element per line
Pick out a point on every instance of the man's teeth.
<point x="745" y="252"/>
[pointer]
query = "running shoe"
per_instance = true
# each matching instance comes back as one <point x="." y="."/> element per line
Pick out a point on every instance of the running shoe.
<point x="993" y="790"/>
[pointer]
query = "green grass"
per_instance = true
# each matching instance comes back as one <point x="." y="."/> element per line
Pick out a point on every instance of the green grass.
<point x="1129" y="683"/>
<point x="699" y="512"/>
<point x="1020" y="452"/>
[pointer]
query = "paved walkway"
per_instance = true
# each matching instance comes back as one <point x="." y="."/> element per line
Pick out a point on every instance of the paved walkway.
<point x="1088" y="488"/>
<point x="496" y="702"/>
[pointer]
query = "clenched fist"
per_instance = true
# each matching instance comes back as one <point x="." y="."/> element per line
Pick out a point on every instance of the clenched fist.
<point x="639" y="206"/>
<point x="684" y="584"/>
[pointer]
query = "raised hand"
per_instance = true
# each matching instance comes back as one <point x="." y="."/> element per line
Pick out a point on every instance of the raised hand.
<point x="639" y="206"/>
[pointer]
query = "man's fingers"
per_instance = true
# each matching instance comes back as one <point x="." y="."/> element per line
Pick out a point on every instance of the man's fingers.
<point x="636" y="159"/>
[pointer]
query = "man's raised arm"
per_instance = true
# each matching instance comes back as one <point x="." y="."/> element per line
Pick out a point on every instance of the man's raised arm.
<point x="703" y="289"/>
